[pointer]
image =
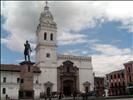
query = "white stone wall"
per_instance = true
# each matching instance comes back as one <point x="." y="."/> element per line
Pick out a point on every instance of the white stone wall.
<point x="40" y="35"/>
<point x="48" y="74"/>
<point x="12" y="87"/>
<point x="86" y="75"/>
<point x="11" y="90"/>
<point x="11" y="77"/>
<point x="42" y="51"/>
<point x="37" y="90"/>
<point x="79" y="61"/>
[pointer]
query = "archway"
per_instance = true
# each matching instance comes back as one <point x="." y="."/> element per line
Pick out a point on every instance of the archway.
<point x="68" y="87"/>
<point x="48" y="91"/>
<point x="48" y="87"/>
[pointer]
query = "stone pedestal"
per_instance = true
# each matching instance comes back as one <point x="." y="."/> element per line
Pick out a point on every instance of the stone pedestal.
<point x="106" y="92"/>
<point x="26" y="80"/>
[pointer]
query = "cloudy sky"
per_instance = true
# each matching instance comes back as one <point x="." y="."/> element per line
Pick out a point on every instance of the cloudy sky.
<point x="102" y="30"/>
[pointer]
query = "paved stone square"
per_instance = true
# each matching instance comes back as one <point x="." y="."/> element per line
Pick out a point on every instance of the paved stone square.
<point x="91" y="99"/>
<point x="80" y="98"/>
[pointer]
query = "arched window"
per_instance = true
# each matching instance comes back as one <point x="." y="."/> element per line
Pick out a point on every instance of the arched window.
<point x="37" y="82"/>
<point x="48" y="55"/>
<point x="129" y="69"/>
<point x="111" y="76"/>
<point x="115" y="84"/>
<point x="4" y="91"/>
<point x="4" y="79"/>
<point x="123" y="83"/>
<point x="51" y="36"/>
<point x="28" y="68"/>
<point x="22" y="80"/>
<point x="45" y="36"/>
<point x="112" y="85"/>
<point x="114" y="76"/>
<point x="122" y="75"/>
<point x="48" y="91"/>
<point x="18" y="80"/>
<point x="68" y="69"/>
<point x="86" y="89"/>
<point x="119" y="84"/>
<point x="118" y="75"/>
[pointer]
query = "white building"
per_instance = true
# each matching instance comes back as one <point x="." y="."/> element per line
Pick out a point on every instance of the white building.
<point x="54" y="72"/>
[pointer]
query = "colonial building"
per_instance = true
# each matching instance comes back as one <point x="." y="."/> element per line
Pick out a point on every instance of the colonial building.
<point x="129" y="76"/>
<point x="99" y="86"/>
<point x="53" y="72"/>
<point x="10" y="80"/>
<point x="120" y="82"/>
<point x="116" y="83"/>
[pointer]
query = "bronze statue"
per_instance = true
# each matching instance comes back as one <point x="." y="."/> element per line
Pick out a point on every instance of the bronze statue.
<point x="27" y="51"/>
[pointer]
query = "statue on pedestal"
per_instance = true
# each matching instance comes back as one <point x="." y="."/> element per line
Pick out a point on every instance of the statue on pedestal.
<point x="27" y="51"/>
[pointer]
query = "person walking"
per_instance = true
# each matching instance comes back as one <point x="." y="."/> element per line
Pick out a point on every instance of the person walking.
<point x="60" y="96"/>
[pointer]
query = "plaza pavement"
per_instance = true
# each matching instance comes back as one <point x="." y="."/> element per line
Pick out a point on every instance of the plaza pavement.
<point x="80" y="98"/>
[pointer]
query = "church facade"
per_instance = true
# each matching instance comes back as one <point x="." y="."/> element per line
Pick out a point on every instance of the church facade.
<point x="53" y="72"/>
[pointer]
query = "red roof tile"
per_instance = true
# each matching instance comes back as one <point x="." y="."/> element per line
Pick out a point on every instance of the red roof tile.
<point x="16" y="68"/>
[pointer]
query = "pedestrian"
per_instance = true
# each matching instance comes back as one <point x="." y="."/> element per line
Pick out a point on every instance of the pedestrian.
<point x="7" y="98"/>
<point x="74" y="95"/>
<point x="45" y="96"/>
<point x="49" y="97"/>
<point x="86" y="95"/>
<point x="83" y="95"/>
<point x="60" y="96"/>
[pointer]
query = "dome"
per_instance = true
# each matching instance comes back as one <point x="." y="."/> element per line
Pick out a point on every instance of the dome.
<point x="46" y="18"/>
<point x="46" y="13"/>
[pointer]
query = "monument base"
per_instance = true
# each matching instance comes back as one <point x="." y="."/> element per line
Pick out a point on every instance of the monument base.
<point x="26" y="63"/>
<point x="26" y="94"/>
<point x="26" y="84"/>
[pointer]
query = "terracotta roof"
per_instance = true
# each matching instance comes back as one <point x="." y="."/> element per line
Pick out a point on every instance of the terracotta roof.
<point x="98" y="77"/>
<point x="129" y="62"/>
<point x="114" y="72"/>
<point x="16" y="68"/>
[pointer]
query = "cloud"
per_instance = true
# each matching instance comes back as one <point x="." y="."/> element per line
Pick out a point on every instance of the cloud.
<point x="103" y="64"/>
<point x="14" y="43"/>
<point x="109" y="49"/>
<point x="121" y="11"/>
<point x="22" y="18"/>
<point x="69" y="38"/>
<point x="127" y="24"/>
<point x="75" y="52"/>
<point x="110" y="58"/>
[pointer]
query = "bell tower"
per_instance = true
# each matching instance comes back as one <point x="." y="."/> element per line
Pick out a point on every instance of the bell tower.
<point x="46" y="39"/>
<point x="46" y="57"/>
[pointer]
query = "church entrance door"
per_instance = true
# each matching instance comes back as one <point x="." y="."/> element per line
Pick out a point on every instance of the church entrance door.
<point x="67" y="78"/>
<point x="68" y="86"/>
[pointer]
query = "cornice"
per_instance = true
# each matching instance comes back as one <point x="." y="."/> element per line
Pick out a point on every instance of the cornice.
<point x="72" y="57"/>
<point x="45" y="45"/>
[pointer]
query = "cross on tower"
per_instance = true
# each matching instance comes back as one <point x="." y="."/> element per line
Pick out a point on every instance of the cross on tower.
<point x="46" y="2"/>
